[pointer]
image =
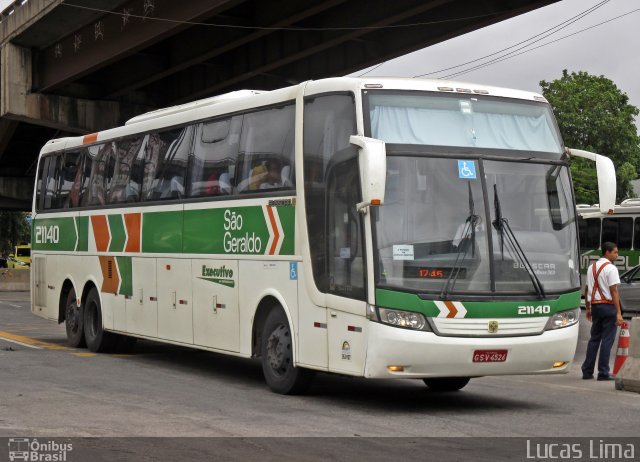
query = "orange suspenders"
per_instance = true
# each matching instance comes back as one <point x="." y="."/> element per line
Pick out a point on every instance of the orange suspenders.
<point x="596" y="286"/>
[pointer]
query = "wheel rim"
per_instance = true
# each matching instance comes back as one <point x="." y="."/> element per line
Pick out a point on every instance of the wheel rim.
<point x="73" y="317"/>
<point x="279" y="350"/>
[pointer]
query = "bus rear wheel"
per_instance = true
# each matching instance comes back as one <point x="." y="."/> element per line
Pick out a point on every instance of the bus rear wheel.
<point x="447" y="383"/>
<point x="277" y="357"/>
<point x="97" y="339"/>
<point x="74" y="321"/>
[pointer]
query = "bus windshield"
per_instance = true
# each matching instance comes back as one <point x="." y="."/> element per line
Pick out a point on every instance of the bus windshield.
<point x="463" y="121"/>
<point x="441" y="232"/>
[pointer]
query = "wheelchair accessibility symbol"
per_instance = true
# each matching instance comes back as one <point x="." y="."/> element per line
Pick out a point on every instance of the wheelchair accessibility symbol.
<point x="467" y="169"/>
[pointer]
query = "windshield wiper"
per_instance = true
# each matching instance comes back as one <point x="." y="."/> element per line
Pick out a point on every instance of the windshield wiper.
<point x="502" y="226"/>
<point x="469" y="230"/>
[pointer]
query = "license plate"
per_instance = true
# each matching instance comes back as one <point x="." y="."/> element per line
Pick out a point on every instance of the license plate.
<point x="489" y="356"/>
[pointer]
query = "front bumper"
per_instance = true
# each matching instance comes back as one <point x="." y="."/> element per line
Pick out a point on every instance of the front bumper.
<point x="424" y="354"/>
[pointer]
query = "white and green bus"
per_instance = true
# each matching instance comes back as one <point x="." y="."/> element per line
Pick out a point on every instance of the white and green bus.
<point x="382" y="228"/>
<point x="622" y="226"/>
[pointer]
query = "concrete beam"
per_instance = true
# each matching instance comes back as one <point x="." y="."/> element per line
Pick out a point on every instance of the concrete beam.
<point x="60" y="112"/>
<point x="16" y="193"/>
<point x="23" y="16"/>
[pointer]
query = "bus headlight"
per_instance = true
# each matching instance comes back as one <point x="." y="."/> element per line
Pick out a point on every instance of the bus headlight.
<point x="563" y="319"/>
<point x="398" y="318"/>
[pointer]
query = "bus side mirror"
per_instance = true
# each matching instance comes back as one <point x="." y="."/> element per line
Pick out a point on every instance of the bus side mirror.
<point x="372" y="159"/>
<point x="606" y="178"/>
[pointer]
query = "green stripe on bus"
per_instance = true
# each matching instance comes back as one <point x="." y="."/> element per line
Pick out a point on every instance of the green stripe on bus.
<point x="162" y="232"/>
<point x="54" y="234"/>
<point x="126" y="272"/>
<point x="235" y="230"/>
<point x="82" y="224"/>
<point x="118" y="236"/>
<point x="489" y="309"/>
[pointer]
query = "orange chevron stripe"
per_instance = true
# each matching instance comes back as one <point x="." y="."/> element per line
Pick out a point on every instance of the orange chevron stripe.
<point x="110" y="278"/>
<point x="133" y="223"/>
<point x="100" y="232"/>
<point x="276" y="234"/>
<point x="452" y="309"/>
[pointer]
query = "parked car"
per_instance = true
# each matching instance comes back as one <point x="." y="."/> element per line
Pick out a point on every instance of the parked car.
<point x="21" y="258"/>
<point x="629" y="291"/>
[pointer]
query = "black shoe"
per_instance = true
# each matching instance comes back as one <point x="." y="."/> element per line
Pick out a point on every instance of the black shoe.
<point x="605" y="378"/>
<point x="587" y="377"/>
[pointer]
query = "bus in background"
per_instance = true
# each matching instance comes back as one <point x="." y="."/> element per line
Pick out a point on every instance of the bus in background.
<point x="622" y="227"/>
<point x="384" y="228"/>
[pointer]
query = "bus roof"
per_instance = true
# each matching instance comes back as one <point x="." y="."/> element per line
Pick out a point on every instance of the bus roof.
<point x="246" y="99"/>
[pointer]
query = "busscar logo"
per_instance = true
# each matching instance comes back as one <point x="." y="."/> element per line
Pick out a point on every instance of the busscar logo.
<point x="33" y="450"/>
<point x="221" y="275"/>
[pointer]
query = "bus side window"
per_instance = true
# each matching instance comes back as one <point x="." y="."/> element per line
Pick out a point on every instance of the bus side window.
<point x="167" y="159"/>
<point x="93" y="187"/>
<point x="121" y="188"/>
<point x="51" y="185"/>
<point x="70" y="182"/>
<point x="38" y="191"/>
<point x="214" y="159"/>
<point x="593" y="233"/>
<point x="266" y="150"/>
<point x="618" y="230"/>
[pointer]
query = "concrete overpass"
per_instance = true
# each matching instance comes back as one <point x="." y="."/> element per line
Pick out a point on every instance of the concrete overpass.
<point x="79" y="66"/>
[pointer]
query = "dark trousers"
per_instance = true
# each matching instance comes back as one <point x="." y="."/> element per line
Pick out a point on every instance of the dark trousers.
<point x="603" y="334"/>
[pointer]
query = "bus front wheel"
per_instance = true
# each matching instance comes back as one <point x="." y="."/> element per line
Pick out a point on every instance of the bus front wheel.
<point x="97" y="339"/>
<point x="277" y="357"/>
<point x="74" y="321"/>
<point x="447" y="383"/>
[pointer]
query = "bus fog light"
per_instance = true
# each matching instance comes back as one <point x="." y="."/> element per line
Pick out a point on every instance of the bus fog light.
<point x="395" y="368"/>
<point x="399" y="318"/>
<point x="559" y="364"/>
<point x="563" y="319"/>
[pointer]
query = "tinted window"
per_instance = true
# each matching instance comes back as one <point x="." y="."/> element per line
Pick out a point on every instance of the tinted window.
<point x="266" y="150"/>
<point x="123" y="178"/>
<point x="215" y="154"/>
<point x="71" y="180"/>
<point x="618" y="231"/>
<point x="41" y="172"/>
<point x="166" y="155"/>
<point x="95" y="167"/>
<point x="51" y="184"/>
<point x="593" y="233"/>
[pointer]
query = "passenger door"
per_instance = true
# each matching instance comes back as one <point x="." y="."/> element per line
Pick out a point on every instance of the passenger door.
<point x="346" y="269"/>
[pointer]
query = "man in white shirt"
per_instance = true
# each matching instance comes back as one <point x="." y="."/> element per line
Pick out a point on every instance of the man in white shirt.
<point x="603" y="310"/>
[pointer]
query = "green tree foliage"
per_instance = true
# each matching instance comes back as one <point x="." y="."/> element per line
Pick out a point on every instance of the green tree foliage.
<point x="14" y="230"/>
<point x="594" y="115"/>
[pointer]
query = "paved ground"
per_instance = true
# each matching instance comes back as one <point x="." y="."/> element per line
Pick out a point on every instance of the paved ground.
<point x="50" y="390"/>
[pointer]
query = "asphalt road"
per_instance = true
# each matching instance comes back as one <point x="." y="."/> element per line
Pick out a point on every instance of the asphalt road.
<point x="50" y="390"/>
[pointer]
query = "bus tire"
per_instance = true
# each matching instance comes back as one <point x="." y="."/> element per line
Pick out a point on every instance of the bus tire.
<point x="447" y="383"/>
<point x="277" y="357"/>
<point x="97" y="339"/>
<point x="74" y="321"/>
